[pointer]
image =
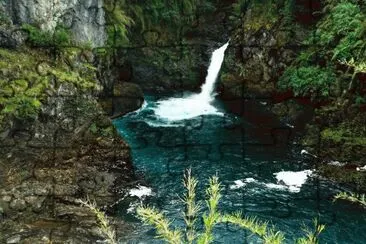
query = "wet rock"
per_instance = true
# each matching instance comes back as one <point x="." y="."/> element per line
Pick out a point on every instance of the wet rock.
<point x="18" y="204"/>
<point x="13" y="240"/>
<point x="35" y="202"/>
<point x="62" y="210"/>
<point x="7" y="41"/>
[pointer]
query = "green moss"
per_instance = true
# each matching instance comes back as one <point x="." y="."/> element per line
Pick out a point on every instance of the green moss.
<point x="168" y="17"/>
<point x="343" y="135"/>
<point x="38" y="38"/>
<point x="258" y="15"/>
<point x="104" y="131"/>
<point x="27" y="75"/>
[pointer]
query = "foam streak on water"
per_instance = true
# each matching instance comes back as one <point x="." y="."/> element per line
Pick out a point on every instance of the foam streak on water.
<point x="176" y="109"/>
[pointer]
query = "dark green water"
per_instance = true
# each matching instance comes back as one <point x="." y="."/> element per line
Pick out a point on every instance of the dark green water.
<point x="226" y="146"/>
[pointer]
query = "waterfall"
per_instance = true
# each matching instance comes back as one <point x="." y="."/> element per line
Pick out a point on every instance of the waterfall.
<point x="213" y="71"/>
<point x="176" y="109"/>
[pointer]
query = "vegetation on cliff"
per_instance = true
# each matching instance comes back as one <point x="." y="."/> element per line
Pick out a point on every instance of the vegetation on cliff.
<point x="32" y="75"/>
<point x="38" y="38"/>
<point x="54" y="135"/>
<point x="335" y="55"/>
<point x="168" y="17"/>
<point x="332" y="69"/>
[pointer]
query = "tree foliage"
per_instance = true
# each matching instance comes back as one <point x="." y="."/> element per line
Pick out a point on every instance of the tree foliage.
<point x="338" y="39"/>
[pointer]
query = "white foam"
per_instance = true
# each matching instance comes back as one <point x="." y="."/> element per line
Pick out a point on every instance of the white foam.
<point x="132" y="207"/>
<point x="241" y="183"/>
<point x="361" y="168"/>
<point x="250" y="180"/>
<point x="237" y="184"/>
<point x="336" y="163"/>
<point x="293" y="180"/>
<point x="141" y="191"/>
<point x="290" y="125"/>
<point x="175" y="109"/>
<point x="275" y="186"/>
<point x="303" y="151"/>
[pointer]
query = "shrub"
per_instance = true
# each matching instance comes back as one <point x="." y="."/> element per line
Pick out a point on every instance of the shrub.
<point x="212" y="217"/>
<point x="344" y="30"/>
<point x="338" y="41"/>
<point x="308" y="81"/>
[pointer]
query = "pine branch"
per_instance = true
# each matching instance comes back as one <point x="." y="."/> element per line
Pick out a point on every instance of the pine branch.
<point x="153" y="217"/>
<point x="104" y="224"/>
<point x="210" y="219"/>
<point x="190" y="214"/>
<point x="352" y="197"/>
<point x="270" y="236"/>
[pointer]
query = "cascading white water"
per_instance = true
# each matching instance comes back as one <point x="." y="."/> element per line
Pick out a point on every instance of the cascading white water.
<point x="213" y="71"/>
<point x="175" y="109"/>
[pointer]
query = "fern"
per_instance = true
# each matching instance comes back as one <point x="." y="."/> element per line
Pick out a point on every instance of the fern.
<point x="192" y="208"/>
<point x="312" y="237"/>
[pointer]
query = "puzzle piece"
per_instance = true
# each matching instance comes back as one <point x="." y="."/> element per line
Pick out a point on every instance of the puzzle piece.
<point x="249" y="147"/>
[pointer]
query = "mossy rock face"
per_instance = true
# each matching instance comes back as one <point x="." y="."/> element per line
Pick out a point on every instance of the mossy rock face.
<point x="30" y="76"/>
<point x="166" y="69"/>
<point x="67" y="150"/>
<point x="344" y="144"/>
<point x="54" y="164"/>
<point x="338" y="134"/>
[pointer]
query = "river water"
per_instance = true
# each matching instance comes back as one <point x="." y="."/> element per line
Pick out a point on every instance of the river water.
<point x="219" y="145"/>
<point x="259" y="176"/>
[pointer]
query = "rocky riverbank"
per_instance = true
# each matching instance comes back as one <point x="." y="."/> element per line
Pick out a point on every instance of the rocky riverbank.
<point x="49" y="164"/>
<point x="57" y="142"/>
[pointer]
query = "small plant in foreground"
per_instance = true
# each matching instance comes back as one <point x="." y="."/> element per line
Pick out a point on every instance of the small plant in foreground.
<point x="352" y="197"/>
<point x="211" y="217"/>
<point x="103" y="222"/>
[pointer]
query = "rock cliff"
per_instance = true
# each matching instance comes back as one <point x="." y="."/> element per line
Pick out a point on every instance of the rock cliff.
<point x="57" y="144"/>
<point x="86" y="19"/>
